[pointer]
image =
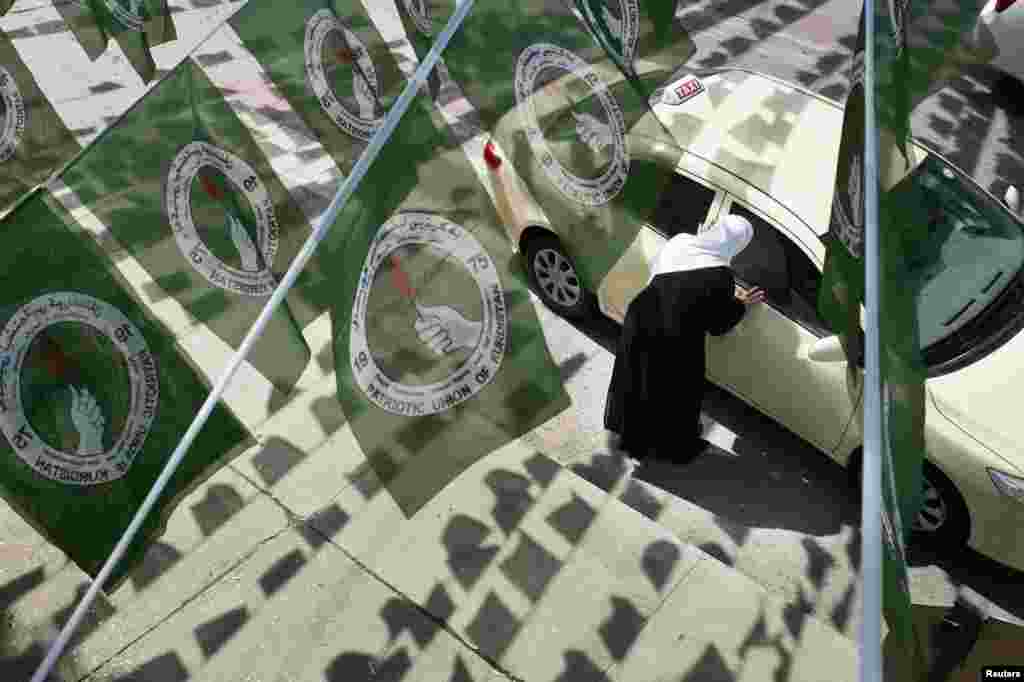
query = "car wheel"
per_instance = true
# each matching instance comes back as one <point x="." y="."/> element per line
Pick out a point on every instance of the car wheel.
<point x="554" y="277"/>
<point x="943" y="520"/>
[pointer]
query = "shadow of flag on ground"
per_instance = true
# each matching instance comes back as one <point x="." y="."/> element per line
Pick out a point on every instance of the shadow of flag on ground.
<point x="94" y="395"/>
<point x="440" y="357"/>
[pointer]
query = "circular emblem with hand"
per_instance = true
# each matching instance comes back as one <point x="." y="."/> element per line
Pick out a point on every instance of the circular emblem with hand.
<point x="79" y="388"/>
<point x="574" y="126"/>
<point x="423" y="349"/>
<point x="223" y="219"/>
<point x="341" y="74"/>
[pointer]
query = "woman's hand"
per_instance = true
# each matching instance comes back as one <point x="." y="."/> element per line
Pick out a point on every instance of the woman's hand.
<point x="749" y="297"/>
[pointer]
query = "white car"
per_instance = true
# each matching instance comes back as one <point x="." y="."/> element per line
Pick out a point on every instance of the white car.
<point x="754" y="145"/>
<point x="1005" y="18"/>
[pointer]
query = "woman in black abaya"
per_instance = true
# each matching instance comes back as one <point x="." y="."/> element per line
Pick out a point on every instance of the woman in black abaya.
<point x="657" y="384"/>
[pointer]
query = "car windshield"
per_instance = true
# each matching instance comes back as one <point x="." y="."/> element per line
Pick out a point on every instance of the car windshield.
<point x="973" y="250"/>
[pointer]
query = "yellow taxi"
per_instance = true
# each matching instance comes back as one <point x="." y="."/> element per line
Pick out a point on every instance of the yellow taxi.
<point x="740" y="142"/>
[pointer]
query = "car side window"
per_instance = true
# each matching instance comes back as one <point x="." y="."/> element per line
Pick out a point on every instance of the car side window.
<point x="789" y="278"/>
<point x="682" y="206"/>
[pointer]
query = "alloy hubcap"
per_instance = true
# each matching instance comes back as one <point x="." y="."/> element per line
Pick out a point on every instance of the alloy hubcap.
<point x="556" y="276"/>
<point x="933" y="513"/>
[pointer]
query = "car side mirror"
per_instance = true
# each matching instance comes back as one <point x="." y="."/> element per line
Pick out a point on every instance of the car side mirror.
<point x="1012" y="199"/>
<point x="828" y="349"/>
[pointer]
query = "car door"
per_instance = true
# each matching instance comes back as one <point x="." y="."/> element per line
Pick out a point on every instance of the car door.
<point x="686" y="205"/>
<point x="764" y="360"/>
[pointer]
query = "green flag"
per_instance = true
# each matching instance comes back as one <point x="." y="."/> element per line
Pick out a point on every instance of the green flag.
<point x="583" y="140"/>
<point x="642" y="37"/>
<point x="80" y="18"/>
<point x="5" y="5"/>
<point x="34" y="143"/>
<point x="422" y="21"/>
<point x="842" y="291"/>
<point x="902" y="372"/>
<point x="942" y="38"/>
<point x="439" y="355"/>
<point x="136" y="25"/>
<point x="94" y="395"/>
<point x="337" y="75"/>
<point x="330" y="63"/>
<point x="179" y="182"/>
<point x="907" y="70"/>
<point x="840" y="301"/>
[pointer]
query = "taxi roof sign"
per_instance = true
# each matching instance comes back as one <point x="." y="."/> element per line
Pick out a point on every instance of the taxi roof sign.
<point x="686" y="88"/>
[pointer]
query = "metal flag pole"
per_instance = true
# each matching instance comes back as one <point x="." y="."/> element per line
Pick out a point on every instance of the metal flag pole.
<point x="871" y="500"/>
<point x="348" y="187"/>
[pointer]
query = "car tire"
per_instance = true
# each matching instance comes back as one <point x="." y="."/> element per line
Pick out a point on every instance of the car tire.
<point x="943" y="521"/>
<point x="554" y="277"/>
<point x="943" y="510"/>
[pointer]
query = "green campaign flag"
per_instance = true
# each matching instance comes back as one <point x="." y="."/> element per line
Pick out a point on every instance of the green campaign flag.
<point x="917" y="213"/>
<point x="840" y="301"/>
<point x="580" y="136"/>
<point x="80" y="18"/>
<point x="136" y="25"/>
<point x="423" y="21"/>
<point x="842" y="291"/>
<point x="94" y="395"/>
<point x="942" y="38"/>
<point x="440" y="357"/>
<point x="338" y="75"/>
<point x="642" y="37"/>
<point x="330" y="63"/>
<point x="34" y="143"/>
<point x="180" y="183"/>
<point x="902" y="372"/>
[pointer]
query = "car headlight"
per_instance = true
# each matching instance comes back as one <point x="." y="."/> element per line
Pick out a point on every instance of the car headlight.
<point x="1011" y="486"/>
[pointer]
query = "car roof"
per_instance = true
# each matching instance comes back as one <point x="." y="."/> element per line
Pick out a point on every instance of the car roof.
<point x="764" y="140"/>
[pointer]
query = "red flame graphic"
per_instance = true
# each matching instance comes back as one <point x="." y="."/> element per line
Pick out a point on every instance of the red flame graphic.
<point x="491" y="157"/>
<point x="400" y="278"/>
<point x="57" y="361"/>
<point x="212" y="189"/>
<point x="345" y="55"/>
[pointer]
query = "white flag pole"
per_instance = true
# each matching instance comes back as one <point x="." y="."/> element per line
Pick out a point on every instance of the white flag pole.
<point x="871" y="495"/>
<point x="348" y="187"/>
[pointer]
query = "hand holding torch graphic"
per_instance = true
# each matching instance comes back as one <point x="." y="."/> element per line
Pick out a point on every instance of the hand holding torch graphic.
<point x="442" y="328"/>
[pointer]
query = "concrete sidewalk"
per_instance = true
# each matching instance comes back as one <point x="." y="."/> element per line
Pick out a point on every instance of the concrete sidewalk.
<point x="301" y="568"/>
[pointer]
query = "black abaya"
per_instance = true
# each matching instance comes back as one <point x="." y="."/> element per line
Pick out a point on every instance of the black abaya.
<point x="657" y="384"/>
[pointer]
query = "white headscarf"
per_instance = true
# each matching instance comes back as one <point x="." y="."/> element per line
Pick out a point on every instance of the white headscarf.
<point x="713" y="248"/>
